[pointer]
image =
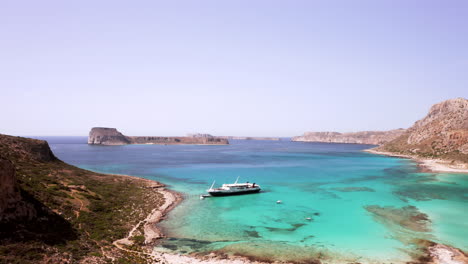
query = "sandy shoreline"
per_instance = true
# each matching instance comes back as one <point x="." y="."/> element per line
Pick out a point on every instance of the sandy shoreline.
<point x="428" y="165"/>
<point x="152" y="233"/>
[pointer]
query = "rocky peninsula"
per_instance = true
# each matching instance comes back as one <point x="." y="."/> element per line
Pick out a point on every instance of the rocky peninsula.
<point x="363" y="137"/>
<point x="439" y="141"/>
<point x="112" y="137"/>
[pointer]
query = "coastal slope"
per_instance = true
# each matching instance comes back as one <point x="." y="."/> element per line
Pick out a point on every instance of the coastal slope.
<point x="362" y="137"/>
<point x="52" y="212"/>
<point x="442" y="134"/>
<point x="111" y="136"/>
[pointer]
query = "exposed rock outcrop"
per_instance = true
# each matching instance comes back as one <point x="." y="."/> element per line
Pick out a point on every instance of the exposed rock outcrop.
<point x="106" y="136"/>
<point x="443" y="133"/>
<point x="364" y="137"/>
<point x="111" y="136"/>
<point x="11" y="205"/>
<point x="14" y="206"/>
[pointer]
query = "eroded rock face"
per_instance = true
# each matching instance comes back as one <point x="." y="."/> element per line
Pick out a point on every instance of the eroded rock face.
<point x="364" y="137"/>
<point x="110" y="136"/>
<point x="443" y="132"/>
<point x="32" y="149"/>
<point x="11" y="205"/>
<point x="446" y="124"/>
<point x="8" y="190"/>
<point x="106" y="136"/>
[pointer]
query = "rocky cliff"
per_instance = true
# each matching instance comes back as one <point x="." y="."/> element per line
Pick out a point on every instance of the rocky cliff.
<point x="106" y="136"/>
<point x="110" y="136"/>
<point x="12" y="205"/>
<point x="364" y="137"/>
<point x="15" y="204"/>
<point x="442" y="133"/>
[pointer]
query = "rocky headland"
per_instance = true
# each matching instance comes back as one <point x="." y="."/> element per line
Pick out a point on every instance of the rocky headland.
<point x="111" y="136"/>
<point x="52" y="212"/>
<point x="363" y="137"/>
<point x="439" y="141"/>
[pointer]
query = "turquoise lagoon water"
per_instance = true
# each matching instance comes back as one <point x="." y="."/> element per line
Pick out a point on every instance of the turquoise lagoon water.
<point x="333" y="184"/>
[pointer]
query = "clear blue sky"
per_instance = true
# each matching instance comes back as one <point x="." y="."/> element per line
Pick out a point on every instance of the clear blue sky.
<point x="272" y="68"/>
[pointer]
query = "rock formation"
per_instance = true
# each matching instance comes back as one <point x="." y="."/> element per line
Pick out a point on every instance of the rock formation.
<point x="12" y="206"/>
<point x="443" y="133"/>
<point x="110" y="136"/>
<point x="364" y="137"/>
<point x="106" y="136"/>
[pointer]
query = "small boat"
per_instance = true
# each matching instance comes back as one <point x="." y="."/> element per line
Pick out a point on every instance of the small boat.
<point x="234" y="189"/>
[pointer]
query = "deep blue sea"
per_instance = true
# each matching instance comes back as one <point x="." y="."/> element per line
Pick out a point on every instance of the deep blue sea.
<point x="359" y="204"/>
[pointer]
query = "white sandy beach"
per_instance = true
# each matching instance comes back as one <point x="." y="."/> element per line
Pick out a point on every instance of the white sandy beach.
<point x="432" y="165"/>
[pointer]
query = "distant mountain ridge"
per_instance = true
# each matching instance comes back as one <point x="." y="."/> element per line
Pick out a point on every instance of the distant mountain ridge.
<point x="363" y="137"/>
<point x="442" y="133"/>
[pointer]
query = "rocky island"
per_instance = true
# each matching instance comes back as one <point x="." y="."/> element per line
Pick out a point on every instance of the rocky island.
<point x="234" y="137"/>
<point x="111" y="136"/>
<point x="363" y="137"/>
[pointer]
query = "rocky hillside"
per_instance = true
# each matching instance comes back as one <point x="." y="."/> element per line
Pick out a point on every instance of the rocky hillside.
<point x="443" y="133"/>
<point x="52" y="212"/>
<point x="12" y="205"/>
<point x="111" y="136"/>
<point x="364" y="137"/>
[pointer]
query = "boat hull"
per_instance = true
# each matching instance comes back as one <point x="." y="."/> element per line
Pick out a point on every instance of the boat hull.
<point x="233" y="193"/>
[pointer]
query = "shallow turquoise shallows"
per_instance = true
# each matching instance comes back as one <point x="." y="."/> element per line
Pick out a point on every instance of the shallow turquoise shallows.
<point x="362" y="207"/>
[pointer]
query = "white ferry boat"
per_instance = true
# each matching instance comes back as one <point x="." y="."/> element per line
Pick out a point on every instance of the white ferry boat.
<point x="234" y="189"/>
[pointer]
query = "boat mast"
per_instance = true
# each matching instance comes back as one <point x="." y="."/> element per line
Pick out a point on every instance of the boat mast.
<point x="237" y="179"/>
<point x="212" y="184"/>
